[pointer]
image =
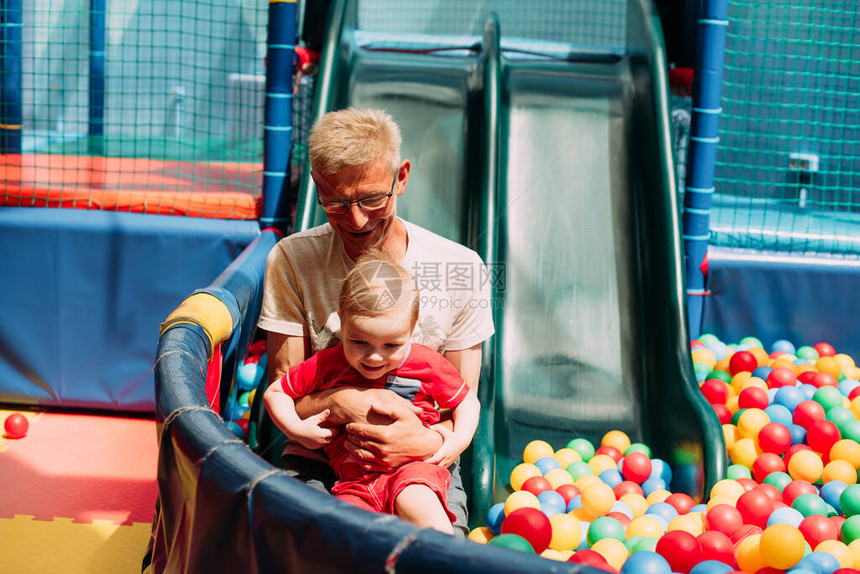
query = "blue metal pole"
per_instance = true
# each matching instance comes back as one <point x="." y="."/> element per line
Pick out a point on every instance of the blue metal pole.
<point x="277" y="134"/>
<point x="95" y="141"/>
<point x="11" y="103"/>
<point x="702" y="152"/>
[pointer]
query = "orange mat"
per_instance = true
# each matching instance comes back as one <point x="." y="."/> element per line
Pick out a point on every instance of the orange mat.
<point x="131" y="184"/>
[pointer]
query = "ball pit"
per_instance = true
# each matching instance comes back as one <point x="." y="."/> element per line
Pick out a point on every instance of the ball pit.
<point x="790" y="503"/>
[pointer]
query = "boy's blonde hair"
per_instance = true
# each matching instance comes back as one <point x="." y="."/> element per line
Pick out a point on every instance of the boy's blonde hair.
<point x="352" y="138"/>
<point x="377" y="286"/>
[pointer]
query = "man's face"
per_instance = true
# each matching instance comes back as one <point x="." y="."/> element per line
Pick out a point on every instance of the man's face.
<point x="360" y="229"/>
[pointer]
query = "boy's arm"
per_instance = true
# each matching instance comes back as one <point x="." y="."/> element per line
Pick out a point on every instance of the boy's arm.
<point x="282" y="409"/>
<point x="466" y="416"/>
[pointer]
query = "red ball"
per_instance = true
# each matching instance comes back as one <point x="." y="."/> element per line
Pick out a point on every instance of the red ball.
<point x="680" y="549"/>
<point x="753" y="398"/>
<point x="822" y="435"/>
<point x="817" y="528"/>
<point x="610" y="451"/>
<point x="793" y="449"/>
<point x="742" y="532"/>
<point x="806" y="377"/>
<point x="766" y="463"/>
<point x="837" y="521"/>
<point x="773" y="493"/>
<point x="531" y="524"/>
<point x="824" y="349"/>
<point x="536" y="485"/>
<point x="620" y="517"/>
<point x="636" y="467"/>
<point x="715" y="391"/>
<point x="781" y="377"/>
<point x="16" y="426"/>
<point x="723" y="518"/>
<point x="747" y="483"/>
<point x="854" y="392"/>
<point x="680" y="502"/>
<point x="742" y="361"/>
<point x="774" y="437"/>
<point x="243" y="424"/>
<point x="807" y="412"/>
<point x="795" y="488"/>
<point x="695" y="344"/>
<point x="716" y="546"/>
<point x="724" y="414"/>
<point x="591" y="558"/>
<point x="568" y="492"/>
<point x="823" y="379"/>
<point x="755" y="507"/>
<point x="626" y="487"/>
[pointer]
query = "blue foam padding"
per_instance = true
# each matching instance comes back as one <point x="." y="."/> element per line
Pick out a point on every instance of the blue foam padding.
<point x="84" y="293"/>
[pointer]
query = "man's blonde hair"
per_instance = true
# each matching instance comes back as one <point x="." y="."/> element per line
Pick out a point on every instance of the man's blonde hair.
<point x="352" y="138"/>
<point x="377" y="286"/>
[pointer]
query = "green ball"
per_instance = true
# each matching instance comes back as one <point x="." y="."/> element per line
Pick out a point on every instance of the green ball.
<point x="578" y="469"/>
<point x="851" y="430"/>
<point x="604" y="527"/>
<point x="778" y="479"/>
<point x="849" y="501"/>
<point x="513" y="541"/>
<point x="721" y="375"/>
<point x="583" y="447"/>
<point x="752" y="342"/>
<point x="646" y="544"/>
<point x="736" y="471"/>
<point x="630" y="543"/>
<point x="638" y="447"/>
<point x="707" y="338"/>
<point x="840" y="416"/>
<point x="807" y="352"/>
<point x="703" y="368"/>
<point x="850" y="530"/>
<point x="828" y="397"/>
<point x="809" y="504"/>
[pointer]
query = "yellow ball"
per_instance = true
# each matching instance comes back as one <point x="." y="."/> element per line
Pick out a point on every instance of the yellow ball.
<point x="847" y="450"/>
<point x="731" y="434"/>
<point x="754" y="382"/>
<point x="739" y="379"/>
<point x="646" y="526"/>
<point x="693" y="522"/>
<point x="522" y="472"/>
<point x="582" y="515"/>
<point x="839" y="550"/>
<point x="481" y="535"/>
<point x="829" y="365"/>
<point x="567" y="456"/>
<point x="553" y="555"/>
<point x="521" y="499"/>
<point x="732" y="403"/>
<point x="727" y="488"/>
<point x="251" y="395"/>
<point x="805" y="465"/>
<point x="751" y="421"/>
<point x="613" y="550"/>
<point x="616" y="438"/>
<point x="558" y="476"/>
<point x="601" y="462"/>
<point x="781" y="546"/>
<point x="749" y="555"/>
<point x="840" y="470"/>
<point x="586" y="480"/>
<point x="704" y="355"/>
<point x="723" y="364"/>
<point x="855" y="407"/>
<point x="760" y="355"/>
<point x="715" y="500"/>
<point x="537" y="449"/>
<point x="846" y="363"/>
<point x="658" y="495"/>
<point x="566" y="532"/>
<point x="636" y="502"/>
<point x="745" y="452"/>
<point x="785" y="362"/>
<point x="854" y="547"/>
<point x="597" y="499"/>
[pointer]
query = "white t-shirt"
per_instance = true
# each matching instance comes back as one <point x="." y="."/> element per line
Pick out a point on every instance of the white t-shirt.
<point x="304" y="273"/>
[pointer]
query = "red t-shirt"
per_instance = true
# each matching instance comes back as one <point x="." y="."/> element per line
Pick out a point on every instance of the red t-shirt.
<point x="425" y="378"/>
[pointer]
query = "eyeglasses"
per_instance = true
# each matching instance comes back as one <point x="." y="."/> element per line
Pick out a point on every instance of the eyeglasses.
<point x="365" y="204"/>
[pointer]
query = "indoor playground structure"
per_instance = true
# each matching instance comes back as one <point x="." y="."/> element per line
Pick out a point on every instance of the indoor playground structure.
<point x="666" y="198"/>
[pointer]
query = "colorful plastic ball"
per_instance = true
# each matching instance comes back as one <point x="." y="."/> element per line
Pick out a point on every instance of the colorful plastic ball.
<point x="774" y="438"/>
<point x="521" y="499"/>
<point x="566" y="532"/>
<point x="738" y="472"/>
<point x="748" y="554"/>
<point x="785" y="515"/>
<point x="552" y="503"/>
<point x="772" y="492"/>
<point x="586" y="480"/>
<point x="481" y="535"/>
<point x="742" y="361"/>
<point x="16" y="426"/>
<point x="234" y="428"/>
<point x="646" y="526"/>
<point x="680" y="549"/>
<point x="828" y="397"/>
<point x="850" y="530"/>
<point x="839" y="550"/>
<point x="816" y="528"/>
<point x="583" y="447"/>
<point x="745" y="451"/>
<point x="495" y="516"/>
<point x="778" y="414"/>
<point x="753" y="398"/>
<point x="723" y="518"/>
<point x="681" y="502"/>
<point x="781" y="377"/>
<point x="601" y="462"/>
<point x="789" y="397"/>
<point x="640" y="447"/>
<point x="765" y="464"/>
<point x="831" y="491"/>
<point x="531" y="524"/>
<point x="611" y="477"/>
<point x="805" y="465"/>
<point x="547" y="463"/>
<point x="839" y="416"/>
<point x="849" y="500"/>
<point x="851" y="430"/>
<point x="839" y="471"/>
<point x="512" y="541"/>
<point x="795" y="488"/>
<point x="604" y="527"/>
<point x="597" y="499"/>
<point x="824" y="379"/>
<point x="781" y="546"/>
<point x="610" y="451"/>
<point x="717" y="546"/>
<point x="558" y="477"/>
<point x="778" y="479"/>
<point x="617" y="439"/>
<point x="568" y="491"/>
<point x="693" y="523"/>
<point x="536" y="485"/>
<point x="847" y="450"/>
<point x="613" y="550"/>
<point x="809" y="504"/>
<point x="521" y="473"/>
<point x="751" y="421"/>
<point x="711" y="567"/>
<point x="798" y="435"/>
<point x="723" y="413"/>
<point x="715" y="391"/>
<point x="726" y="488"/>
<point x="579" y="469"/>
<point x="824" y="349"/>
<point x="646" y="562"/>
<point x="636" y="467"/>
<point x="807" y="412"/>
<point x="591" y="558"/>
<point x="755" y="507"/>
<point x="566" y="456"/>
<point x="537" y="449"/>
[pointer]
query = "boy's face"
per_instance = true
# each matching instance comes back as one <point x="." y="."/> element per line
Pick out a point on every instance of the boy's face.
<point x="373" y="346"/>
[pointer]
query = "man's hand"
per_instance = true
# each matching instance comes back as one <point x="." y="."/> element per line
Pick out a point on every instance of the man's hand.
<point x="392" y="435"/>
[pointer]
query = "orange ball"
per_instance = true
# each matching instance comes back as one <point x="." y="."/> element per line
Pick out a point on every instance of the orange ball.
<point x="805" y="465"/>
<point x="617" y="439"/>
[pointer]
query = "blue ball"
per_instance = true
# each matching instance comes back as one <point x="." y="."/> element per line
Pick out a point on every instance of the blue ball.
<point x="495" y="516"/>
<point x="807" y="390"/>
<point x="235" y="429"/>
<point x="822" y="562"/>
<point x="547" y="463"/>
<point x="848" y="385"/>
<point x="785" y="515"/>
<point x="611" y="477"/>
<point x="710" y="567"/>
<point x="623" y="508"/>
<point x="778" y="413"/>
<point x="646" y="562"/>
<point x="583" y="542"/>
<point x="575" y="502"/>
<point x="661" y="469"/>
<point x="664" y="509"/>
<point x="652" y="484"/>
<point x="798" y="434"/>
<point x="249" y="375"/>
<point x="552" y="503"/>
<point x="719" y="349"/>
<point x="703" y="508"/>
<point x="762" y="372"/>
<point x="783" y="345"/>
<point x="831" y="492"/>
<point x="789" y="397"/>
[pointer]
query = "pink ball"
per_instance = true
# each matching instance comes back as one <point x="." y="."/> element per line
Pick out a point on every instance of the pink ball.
<point x="774" y="437"/>
<point x="807" y="412"/>
<point x="531" y="524"/>
<point x="636" y="467"/>
<point x="742" y="361"/>
<point x="680" y="549"/>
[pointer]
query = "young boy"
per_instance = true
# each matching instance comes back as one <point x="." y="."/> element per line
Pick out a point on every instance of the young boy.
<point x="378" y="310"/>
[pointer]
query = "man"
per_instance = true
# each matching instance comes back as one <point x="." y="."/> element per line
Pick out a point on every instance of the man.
<point x="356" y="165"/>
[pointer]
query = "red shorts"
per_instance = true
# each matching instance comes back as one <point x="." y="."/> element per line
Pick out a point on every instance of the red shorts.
<point x="377" y="491"/>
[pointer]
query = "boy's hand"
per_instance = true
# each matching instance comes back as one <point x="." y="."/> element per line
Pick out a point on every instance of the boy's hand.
<point x="450" y="449"/>
<point x="310" y="434"/>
